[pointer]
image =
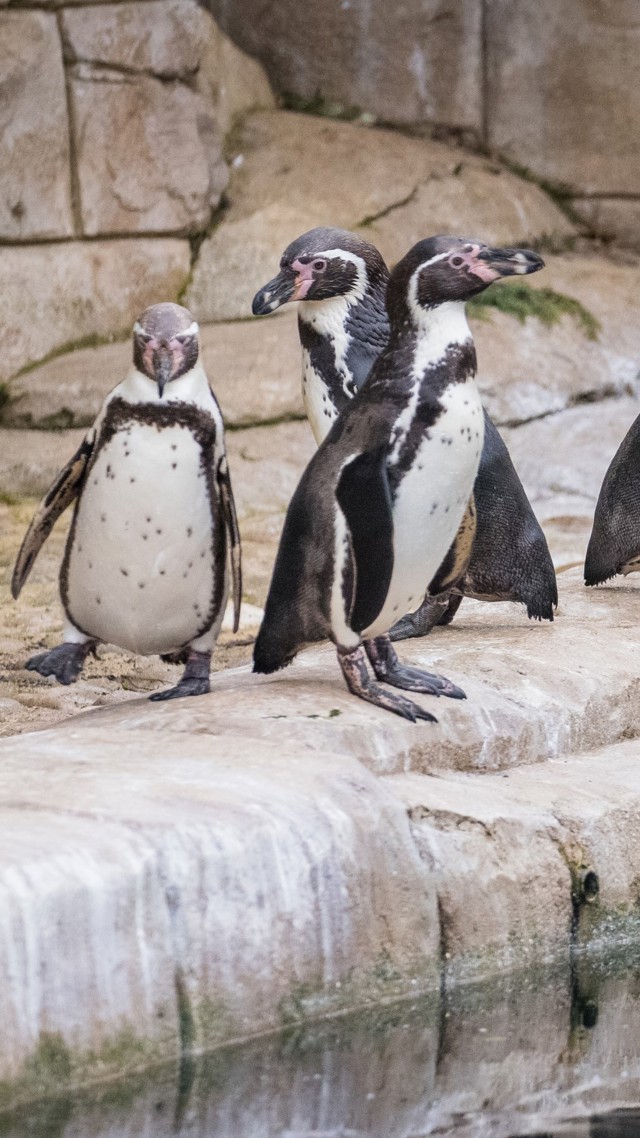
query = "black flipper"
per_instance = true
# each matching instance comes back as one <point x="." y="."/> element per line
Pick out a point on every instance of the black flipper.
<point x="61" y="494"/>
<point x="615" y="537"/>
<point x="231" y="523"/>
<point x="364" y="497"/>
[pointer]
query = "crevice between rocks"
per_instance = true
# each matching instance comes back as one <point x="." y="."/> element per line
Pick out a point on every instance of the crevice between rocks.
<point x="74" y="179"/>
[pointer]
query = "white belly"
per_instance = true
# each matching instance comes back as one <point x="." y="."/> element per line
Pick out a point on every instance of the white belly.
<point x="140" y="569"/>
<point x="431" y="500"/>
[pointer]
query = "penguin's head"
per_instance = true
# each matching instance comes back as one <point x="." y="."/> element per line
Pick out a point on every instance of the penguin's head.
<point x="165" y="343"/>
<point x="443" y="269"/>
<point x="321" y="264"/>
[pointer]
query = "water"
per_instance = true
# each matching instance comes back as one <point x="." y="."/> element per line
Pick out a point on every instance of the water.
<point x="548" y="1053"/>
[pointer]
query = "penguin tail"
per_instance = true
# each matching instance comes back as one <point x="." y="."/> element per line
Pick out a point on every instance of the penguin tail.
<point x="602" y="561"/>
<point x="274" y="648"/>
<point x="269" y="658"/>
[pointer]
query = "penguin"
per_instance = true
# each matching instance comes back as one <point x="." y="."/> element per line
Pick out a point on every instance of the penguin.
<point x="381" y="501"/>
<point x="614" y="544"/>
<point x="145" y="564"/>
<point x="500" y="552"/>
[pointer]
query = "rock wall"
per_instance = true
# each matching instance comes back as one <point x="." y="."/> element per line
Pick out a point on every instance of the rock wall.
<point x="552" y="87"/>
<point x="112" y="120"/>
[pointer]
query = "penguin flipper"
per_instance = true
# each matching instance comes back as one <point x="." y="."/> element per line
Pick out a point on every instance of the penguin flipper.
<point x="364" y="497"/>
<point x="61" y="494"/>
<point x="614" y="543"/>
<point x="233" y="530"/>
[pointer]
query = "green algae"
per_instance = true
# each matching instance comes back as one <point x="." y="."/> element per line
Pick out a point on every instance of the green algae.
<point x="544" y="304"/>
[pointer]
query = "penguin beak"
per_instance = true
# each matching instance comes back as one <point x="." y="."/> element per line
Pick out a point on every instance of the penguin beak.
<point x="162" y="366"/>
<point x="279" y="291"/>
<point x="495" y="263"/>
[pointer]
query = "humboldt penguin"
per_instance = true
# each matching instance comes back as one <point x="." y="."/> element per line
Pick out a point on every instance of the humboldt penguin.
<point x="614" y="545"/>
<point x="382" y="499"/>
<point x="500" y="552"/>
<point x="145" y="565"/>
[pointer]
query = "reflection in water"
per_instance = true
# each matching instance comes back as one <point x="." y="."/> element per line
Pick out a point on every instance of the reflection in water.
<point x="485" y="1062"/>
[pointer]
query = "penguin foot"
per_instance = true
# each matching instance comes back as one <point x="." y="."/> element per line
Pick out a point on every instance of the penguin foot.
<point x="359" y="682"/>
<point x="65" y="662"/>
<point x="432" y="611"/>
<point x="195" y="680"/>
<point x="390" y="670"/>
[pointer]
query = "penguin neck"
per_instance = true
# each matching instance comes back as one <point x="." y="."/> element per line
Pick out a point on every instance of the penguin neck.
<point x="443" y="333"/>
<point x="192" y="387"/>
<point x="341" y="338"/>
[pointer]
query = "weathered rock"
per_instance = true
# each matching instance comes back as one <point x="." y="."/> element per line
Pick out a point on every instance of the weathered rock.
<point x="519" y="710"/>
<point x="149" y="153"/>
<point x="527" y="370"/>
<point x="562" y="460"/>
<point x="230" y="80"/>
<point x="278" y="887"/>
<point x="288" y="176"/>
<point x="254" y="369"/>
<point x="239" y="257"/>
<point x="279" y="822"/>
<point x="567" y="454"/>
<point x="513" y="1056"/>
<point x="357" y="56"/>
<point x="482" y="201"/>
<point x="163" y="37"/>
<point x="54" y="295"/>
<point x="614" y="218"/>
<point x="34" y="154"/>
<point x="562" y="91"/>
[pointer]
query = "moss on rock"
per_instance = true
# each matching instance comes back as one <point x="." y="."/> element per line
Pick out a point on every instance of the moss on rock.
<point x="544" y="304"/>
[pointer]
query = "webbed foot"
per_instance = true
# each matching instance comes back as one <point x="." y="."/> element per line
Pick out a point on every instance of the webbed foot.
<point x="390" y="670"/>
<point x="65" y="661"/>
<point x="359" y="682"/>
<point x="195" y="680"/>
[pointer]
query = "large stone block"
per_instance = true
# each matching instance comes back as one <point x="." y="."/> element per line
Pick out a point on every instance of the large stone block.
<point x="231" y="80"/>
<point x="563" y="93"/>
<point x="418" y="61"/>
<point x="163" y="37"/>
<point x="149" y="153"/>
<point x="57" y="294"/>
<point x="292" y="172"/>
<point x="616" y="219"/>
<point x="35" y="201"/>
<point x="254" y="368"/>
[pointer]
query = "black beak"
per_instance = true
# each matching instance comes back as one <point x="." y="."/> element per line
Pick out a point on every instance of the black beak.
<point x="512" y="262"/>
<point x="162" y="367"/>
<point x="275" y="293"/>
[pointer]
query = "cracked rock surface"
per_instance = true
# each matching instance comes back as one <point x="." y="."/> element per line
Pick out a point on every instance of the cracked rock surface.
<point x="288" y="176"/>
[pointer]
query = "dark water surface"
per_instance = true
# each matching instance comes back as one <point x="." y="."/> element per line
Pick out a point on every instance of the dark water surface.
<point x="541" y="1053"/>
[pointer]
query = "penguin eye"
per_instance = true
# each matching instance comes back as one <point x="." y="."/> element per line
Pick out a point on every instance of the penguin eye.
<point x="145" y="337"/>
<point x="182" y="337"/>
<point x="319" y="264"/>
<point x="456" y="262"/>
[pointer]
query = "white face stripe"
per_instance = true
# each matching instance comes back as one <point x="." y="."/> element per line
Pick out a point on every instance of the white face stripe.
<point x="360" y="286"/>
<point x="412" y="291"/>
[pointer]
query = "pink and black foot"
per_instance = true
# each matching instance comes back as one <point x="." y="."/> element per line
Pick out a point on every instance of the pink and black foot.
<point x="65" y="662"/>
<point x="195" y="680"/>
<point x="359" y="682"/>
